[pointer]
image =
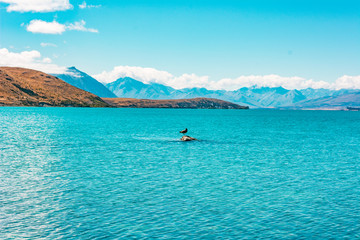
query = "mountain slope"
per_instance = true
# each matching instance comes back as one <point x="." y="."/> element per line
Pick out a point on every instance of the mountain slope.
<point x="266" y="97"/>
<point x="342" y="101"/>
<point x="130" y="88"/>
<point x="85" y="82"/>
<point x="26" y="87"/>
<point x="195" y="103"/>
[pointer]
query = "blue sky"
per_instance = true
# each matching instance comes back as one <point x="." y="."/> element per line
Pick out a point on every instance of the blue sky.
<point x="314" y="40"/>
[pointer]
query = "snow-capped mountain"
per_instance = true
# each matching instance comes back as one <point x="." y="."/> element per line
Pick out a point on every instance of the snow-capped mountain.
<point x="85" y="82"/>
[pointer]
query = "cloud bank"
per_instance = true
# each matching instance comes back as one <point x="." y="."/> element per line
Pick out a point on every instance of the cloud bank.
<point x="352" y="82"/>
<point x="29" y="59"/>
<point x="37" y="5"/>
<point x="271" y="80"/>
<point x="148" y="75"/>
<point x="34" y="60"/>
<point x="40" y="26"/>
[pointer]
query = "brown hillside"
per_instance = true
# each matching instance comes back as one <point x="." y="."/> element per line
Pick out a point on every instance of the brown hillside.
<point x="26" y="87"/>
<point x="206" y="103"/>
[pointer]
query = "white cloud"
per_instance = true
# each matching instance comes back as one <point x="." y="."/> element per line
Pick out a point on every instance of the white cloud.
<point x="48" y="44"/>
<point x="40" y="26"/>
<point x="29" y="59"/>
<point x="80" y="26"/>
<point x="37" y="5"/>
<point x="85" y="5"/>
<point x="268" y="81"/>
<point x="145" y="75"/>
<point x="46" y="60"/>
<point x="344" y="82"/>
<point x="347" y="82"/>
<point x="148" y="75"/>
<point x="188" y="81"/>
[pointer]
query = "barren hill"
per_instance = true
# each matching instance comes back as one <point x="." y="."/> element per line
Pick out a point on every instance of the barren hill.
<point x="206" y="103"/>
<point x="26" y="87"/>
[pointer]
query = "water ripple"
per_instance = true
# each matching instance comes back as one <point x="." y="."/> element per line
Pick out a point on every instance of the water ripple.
<point x="123" y="173"/>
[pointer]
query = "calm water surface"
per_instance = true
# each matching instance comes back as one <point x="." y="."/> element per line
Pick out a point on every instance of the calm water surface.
<point x="70" y="173"/>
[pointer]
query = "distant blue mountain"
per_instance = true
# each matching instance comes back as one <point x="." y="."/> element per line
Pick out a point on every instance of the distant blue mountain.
<point x="85" y="82"/>
<point x="130" y="88"/>
<point x="267" y="97"/>
<point x="340" y="99"/>
<point x="310" y="93"/>
<point x="255" y="97"/>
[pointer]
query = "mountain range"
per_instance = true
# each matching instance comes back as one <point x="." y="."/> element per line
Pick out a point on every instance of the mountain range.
<point x="255" y="97"/>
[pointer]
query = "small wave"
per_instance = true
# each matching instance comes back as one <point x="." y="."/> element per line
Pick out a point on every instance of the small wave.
<point x="156" y="139"/>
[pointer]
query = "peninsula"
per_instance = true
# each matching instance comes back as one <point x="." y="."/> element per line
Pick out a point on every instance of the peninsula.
<point x="198" y="103"/>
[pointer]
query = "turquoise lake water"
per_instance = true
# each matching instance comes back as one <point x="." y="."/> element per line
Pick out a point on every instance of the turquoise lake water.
<point x="71" y="173"/>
